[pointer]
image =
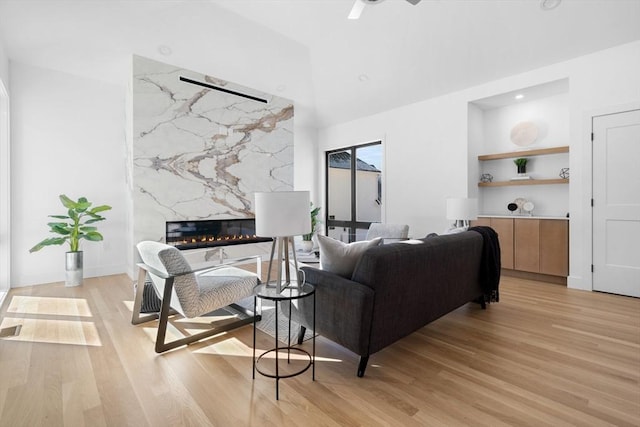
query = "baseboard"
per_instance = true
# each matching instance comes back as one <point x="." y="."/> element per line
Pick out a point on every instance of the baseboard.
<point x="559" y="280"/>
<point x="582" y="283"/>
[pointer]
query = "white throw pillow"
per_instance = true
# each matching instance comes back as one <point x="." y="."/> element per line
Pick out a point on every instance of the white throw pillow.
<point x="341" y="258"/>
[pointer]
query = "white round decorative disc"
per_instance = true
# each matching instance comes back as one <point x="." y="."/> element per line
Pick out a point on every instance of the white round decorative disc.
<point x="528" y="207"/>
<point x="524" y="134"/>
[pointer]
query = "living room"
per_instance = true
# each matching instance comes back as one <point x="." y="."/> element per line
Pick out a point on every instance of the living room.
<point x="68" y="117"/>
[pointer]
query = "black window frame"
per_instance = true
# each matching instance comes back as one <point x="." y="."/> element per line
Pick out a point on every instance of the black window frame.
<point x="352" y="224"/>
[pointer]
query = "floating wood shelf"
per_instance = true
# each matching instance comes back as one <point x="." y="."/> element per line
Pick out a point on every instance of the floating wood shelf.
<point x="527" y="153"/>
<point x="524" y="182"/>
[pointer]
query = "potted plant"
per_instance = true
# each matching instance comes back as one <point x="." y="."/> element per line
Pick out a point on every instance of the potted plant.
<point x="74" y="227"/>
<point x="521" y="163"/>
<point x="307" y="239"/>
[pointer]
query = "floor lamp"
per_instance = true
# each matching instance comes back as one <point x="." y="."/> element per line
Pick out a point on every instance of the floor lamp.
<point x="282" y="215"/>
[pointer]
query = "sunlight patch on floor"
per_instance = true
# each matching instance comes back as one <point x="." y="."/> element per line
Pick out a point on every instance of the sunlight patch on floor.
<point x="49" y="306"/>
<point x="235" y="347"/>
<point x="73" y="332"/>
<point x="229" y="347"/>
<point x="129" y="305"/>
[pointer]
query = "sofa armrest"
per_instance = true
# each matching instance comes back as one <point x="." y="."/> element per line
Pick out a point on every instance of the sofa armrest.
<point x="343" y="310"/>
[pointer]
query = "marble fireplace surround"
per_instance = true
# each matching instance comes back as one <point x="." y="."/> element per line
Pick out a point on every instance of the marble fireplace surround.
<point x="199" y="153"/>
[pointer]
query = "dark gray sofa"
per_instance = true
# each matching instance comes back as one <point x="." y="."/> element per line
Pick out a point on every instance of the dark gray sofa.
<point x="395" y="290"/>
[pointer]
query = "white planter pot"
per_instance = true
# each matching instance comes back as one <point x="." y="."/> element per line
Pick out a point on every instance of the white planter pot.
<point x="307" y="246"/>
<point x="74" y="268"/>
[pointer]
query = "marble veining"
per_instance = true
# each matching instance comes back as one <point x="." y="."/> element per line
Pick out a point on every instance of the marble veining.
<point x="200" y="153"/>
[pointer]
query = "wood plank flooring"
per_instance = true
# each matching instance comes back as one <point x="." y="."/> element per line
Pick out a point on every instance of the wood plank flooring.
<point x="544" y="355"/>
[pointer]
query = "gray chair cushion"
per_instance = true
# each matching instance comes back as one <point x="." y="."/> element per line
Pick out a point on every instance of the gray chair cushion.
<point x="196" y="294"/>
<point x="391" y="232"/>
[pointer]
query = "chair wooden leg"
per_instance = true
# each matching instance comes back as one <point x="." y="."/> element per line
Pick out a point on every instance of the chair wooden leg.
<point x="162" y="346"/>
<point x="301" y="333"/>
<point x="136" y="318"/>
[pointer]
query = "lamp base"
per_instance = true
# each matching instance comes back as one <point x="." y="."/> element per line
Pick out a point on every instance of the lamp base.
<point x="461" y="223"/>
<point x="282" y="244"/>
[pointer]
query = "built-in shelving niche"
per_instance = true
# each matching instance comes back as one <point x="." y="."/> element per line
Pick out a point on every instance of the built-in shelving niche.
<point x="490" y="121"/>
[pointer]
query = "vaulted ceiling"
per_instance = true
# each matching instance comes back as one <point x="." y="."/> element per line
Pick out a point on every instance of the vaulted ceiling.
<point x="335" y="69"/>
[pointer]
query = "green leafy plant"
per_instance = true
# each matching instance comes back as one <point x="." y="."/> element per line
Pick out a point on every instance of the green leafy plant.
<point x="75" y="225"/>
<point x="314" y="223"/>
<point x="520" y="162"/>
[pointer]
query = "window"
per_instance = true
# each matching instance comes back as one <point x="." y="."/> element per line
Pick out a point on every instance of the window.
<point x="354" y="190"/>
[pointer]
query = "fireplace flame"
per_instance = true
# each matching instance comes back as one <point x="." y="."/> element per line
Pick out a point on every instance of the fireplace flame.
<point x="184" y="237"/>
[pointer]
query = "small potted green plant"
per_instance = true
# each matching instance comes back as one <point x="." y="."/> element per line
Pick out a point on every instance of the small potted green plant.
<point x="307" y="239"/>
<point x="521" y="164"/>
<point x="74" y="227"/>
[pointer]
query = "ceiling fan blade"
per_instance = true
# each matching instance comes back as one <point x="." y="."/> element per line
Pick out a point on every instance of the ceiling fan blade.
<point x="414" y="2"/>
<point x="357" y="9"/>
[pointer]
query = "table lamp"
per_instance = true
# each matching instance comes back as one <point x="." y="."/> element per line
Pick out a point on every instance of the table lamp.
<point x="282" y="215"/>
<point x="461" y="210"/>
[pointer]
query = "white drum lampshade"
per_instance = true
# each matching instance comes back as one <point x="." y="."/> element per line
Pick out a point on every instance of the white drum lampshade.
<point x="462" y="210"/>
<point x="282" y="215"/>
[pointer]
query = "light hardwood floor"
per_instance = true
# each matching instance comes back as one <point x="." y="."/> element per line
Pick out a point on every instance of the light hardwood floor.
<point x="544" y="355"/>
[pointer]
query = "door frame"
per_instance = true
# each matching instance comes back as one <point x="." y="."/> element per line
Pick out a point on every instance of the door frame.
<point x="5" y="194"/>
<point x="585" y="202"/>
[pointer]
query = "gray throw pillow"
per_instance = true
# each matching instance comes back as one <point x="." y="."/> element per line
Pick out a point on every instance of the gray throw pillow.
<point x="341" y="258"/>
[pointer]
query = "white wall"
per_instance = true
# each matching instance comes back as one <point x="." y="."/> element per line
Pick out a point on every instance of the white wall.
<point x="425" y="158"/>
<point x="427" y="153"/>
<point x="55" y="111"/>
<point x="551" y="115"/>
<point x="4" y="65"/>
<point x="67" y="137"/>
<point x="5" y="176"/>
<point x="305" y="166"/>
<point x="425" y="145"/>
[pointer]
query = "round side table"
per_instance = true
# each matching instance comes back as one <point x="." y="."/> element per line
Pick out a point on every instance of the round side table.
<point x="291" y="293"/>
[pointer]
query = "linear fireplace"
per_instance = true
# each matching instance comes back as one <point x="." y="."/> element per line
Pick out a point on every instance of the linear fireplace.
<point x="212" y="233"/>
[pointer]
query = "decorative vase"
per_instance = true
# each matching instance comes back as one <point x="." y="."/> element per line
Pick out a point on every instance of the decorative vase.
<point x="522" y="169"/>
<point x="73" y="267"/>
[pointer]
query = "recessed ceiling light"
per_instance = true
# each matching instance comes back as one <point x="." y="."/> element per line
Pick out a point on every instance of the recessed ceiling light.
<point x="363" y="77"/>
<point x="549" y="4"/>
<point x="519" y="96"/>
<point x="164" y="50"/>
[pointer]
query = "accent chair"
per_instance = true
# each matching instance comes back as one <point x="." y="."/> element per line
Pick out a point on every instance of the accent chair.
<point x="191" y="292"/>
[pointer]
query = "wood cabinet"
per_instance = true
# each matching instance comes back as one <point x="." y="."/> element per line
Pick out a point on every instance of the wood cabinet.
<point x="526" y="243"/>
<point x="554" y="247"/>
<point x="532" y="245"/>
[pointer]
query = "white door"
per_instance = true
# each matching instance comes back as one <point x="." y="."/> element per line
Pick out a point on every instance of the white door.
<point x="616" y="203"/>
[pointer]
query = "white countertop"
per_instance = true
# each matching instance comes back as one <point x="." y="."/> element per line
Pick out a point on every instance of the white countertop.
<point x="519" y="216"/>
